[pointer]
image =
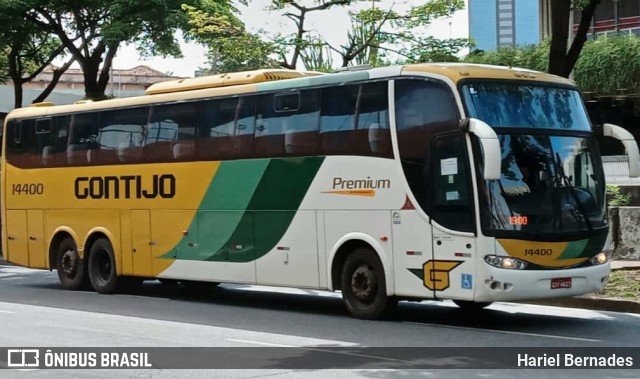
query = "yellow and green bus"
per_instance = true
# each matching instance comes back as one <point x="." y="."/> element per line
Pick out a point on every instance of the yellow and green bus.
<point x="428" y="181"/>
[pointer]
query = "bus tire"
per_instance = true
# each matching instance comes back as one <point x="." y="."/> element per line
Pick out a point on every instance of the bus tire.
<point x="364" y="290"/>
<point x="102" y="267"/>
<point x="70" y="266"/>
<point x="471" y="306"/>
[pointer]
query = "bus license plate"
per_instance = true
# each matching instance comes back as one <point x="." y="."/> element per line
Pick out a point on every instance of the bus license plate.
<point x="560" y="283"/>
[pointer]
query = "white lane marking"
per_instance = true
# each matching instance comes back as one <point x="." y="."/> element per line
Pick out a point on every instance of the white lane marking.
<point x="502" y="331"/>
<point x="259" y="343"/>
<point x="1" y="311"/>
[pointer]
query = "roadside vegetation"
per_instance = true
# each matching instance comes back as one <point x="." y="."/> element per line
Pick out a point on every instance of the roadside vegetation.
<point x="624" y="284"/>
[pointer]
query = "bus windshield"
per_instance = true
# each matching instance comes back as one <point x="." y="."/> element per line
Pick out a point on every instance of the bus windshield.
<point x="517" y="105"/>
<point x="551" y="185"/>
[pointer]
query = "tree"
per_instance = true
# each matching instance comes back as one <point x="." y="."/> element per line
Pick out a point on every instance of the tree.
<point x="29" y="50"/>
<point x="562" y="60"/>
<point x="231" y="47"/>
<point x="92" y="30"/>
<point x="383" y="36"/>
<point x="297" y="41"/>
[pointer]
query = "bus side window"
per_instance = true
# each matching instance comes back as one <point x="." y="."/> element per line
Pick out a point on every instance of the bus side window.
<point x="217" y="129"/>
<point x="337" y="120"/>
<point x="301" y="126"/>
<point x="44" y="136"/>
<point x="171" y="133"/>
<point x="121" y="136"/>
<point x="423" y="108"/>
<point x="274" y="118"/>
<point x="373" y="119"/>
<point x="243" y="139"/>
<point x="452" y="204"/>
<point x="82" y="138"/>
<point x="22" y="150"/>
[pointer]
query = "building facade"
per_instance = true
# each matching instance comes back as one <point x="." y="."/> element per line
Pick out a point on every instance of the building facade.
<point x="70" y="87"/>
<point x="503" y="23"/>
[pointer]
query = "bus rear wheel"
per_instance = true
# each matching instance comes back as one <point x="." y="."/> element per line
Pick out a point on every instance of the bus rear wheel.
<point x="102" y="267"/>
<point x="364" y="290"/>
<point x="70" y="266"/>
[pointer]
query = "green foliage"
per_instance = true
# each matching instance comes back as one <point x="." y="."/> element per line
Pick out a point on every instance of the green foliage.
<point x="4" y="65"/>
<point x="241" y="52"/>
<point x="91" y="31"/>
<point x="382" y="37"/>
<point x="534" y="57"/>
<point x="622" y="284"/>
<point x="317" y="56"/>
<point x="616" y="198"/>
<point x="231" y="47"/>
<point x="609" y="64"/>
<point x="605" y="66"/>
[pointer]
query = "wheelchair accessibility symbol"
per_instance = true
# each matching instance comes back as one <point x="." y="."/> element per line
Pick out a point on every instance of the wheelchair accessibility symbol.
<point x="467" y="281"/>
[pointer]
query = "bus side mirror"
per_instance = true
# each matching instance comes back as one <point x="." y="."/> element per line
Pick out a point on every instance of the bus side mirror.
<point x="490" y="146"/>
<point x="633" y="155"/>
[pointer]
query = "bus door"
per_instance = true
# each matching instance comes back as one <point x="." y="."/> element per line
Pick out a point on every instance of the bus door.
<point x="451" y="272"/>
<point x="141" y="243"/>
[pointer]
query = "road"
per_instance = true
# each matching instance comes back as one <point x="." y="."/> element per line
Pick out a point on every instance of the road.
<point x="34" y="312"/>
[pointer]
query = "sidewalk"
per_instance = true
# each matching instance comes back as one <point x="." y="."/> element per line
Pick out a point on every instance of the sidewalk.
<point x="592" y="302"/>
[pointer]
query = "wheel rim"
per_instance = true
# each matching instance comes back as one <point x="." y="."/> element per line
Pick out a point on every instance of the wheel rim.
<point x="363" y="284"/>
<point x="69" y="263"/>
<point x="103" y="266"/>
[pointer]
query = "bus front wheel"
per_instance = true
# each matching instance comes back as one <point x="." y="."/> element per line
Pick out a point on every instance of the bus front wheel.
<point x="364" y="290"/>
<point x="102" y="267"/>
<point x="70" y="266"/>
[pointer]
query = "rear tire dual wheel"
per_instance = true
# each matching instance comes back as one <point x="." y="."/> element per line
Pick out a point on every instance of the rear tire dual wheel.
<point x="364" y="290"/>
<point x="70" y="266"/>
<point x="102" y="270"/>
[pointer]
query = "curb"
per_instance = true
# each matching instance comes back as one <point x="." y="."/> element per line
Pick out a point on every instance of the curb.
<point x="592" y="303"/>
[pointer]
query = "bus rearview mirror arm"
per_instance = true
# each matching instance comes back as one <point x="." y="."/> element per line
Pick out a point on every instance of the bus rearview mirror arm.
<point x="490" y="146"/>
<point x="622" y="135"/>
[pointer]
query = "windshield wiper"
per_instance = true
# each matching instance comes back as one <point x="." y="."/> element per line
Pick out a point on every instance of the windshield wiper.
<point x="566" y="183"/>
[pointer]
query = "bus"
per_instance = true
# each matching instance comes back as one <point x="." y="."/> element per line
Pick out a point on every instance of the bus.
<point x="426" y="181"/>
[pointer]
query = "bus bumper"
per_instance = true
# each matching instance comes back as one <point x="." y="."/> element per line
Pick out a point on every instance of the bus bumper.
<point x="512" y="285"/>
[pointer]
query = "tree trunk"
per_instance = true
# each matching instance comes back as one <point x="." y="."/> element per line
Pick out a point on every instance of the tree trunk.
<point x="563" y="60"/>
<point x="57" y="73"/>
<point x="560" y="11"/>
<point x="103" y="79"/>
<point x="90" y="72"/>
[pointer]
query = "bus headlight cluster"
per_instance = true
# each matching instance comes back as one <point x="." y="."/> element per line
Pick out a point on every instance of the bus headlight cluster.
<point x="508" y="263"/>
<point x="600" y="259"/>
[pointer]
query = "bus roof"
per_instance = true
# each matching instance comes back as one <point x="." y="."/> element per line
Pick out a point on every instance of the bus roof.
<point x="277" y="79"/>
<point x="460" y="71"/>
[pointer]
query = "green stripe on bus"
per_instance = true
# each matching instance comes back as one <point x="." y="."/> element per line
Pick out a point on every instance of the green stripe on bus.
<point x="574" y="249"/>
<point x="271" y="209"/>
<point x="247" y="209"/>
<point x="585" y="248"/>
<point x="221" y="209"/>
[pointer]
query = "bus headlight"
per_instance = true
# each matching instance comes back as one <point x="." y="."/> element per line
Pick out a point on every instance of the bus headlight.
<point x="508" y="263"/>
<point x="599" y="259"/>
